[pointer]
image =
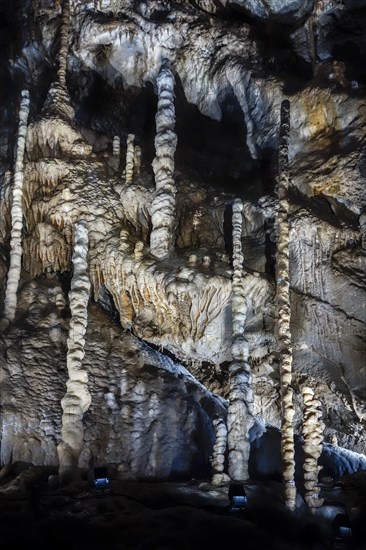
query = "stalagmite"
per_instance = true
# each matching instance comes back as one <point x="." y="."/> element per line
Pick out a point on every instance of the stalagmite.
<point x="116" y="146"/>
<point x="10" y="302"/>
<point x="137" y="160"/>
<point x="163" y="217"/>
<point x="284" y="314"/>
<point x="77" y="398"/>
<point x="64" y="43"/>
<point x="130" y="158"/>
<point x="313" y="433"/>
<point x="218" y="455"/>
<point x="240" y="411"/>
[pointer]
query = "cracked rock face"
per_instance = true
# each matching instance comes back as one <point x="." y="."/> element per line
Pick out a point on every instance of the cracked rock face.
<point x="159" y="333"/>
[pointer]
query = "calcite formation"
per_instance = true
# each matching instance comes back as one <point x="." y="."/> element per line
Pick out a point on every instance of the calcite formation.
<point x="77" y="399"/>
<point x="312" y="430"/>
<point x="240" y="412"/>
<point x="283" y="304"/>
<point x="163" y="205"/>
<point x="13" y="277"/>
<point x="222" y="281"/>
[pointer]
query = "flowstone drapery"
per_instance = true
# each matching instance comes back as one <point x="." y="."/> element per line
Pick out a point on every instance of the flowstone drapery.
<point x="77" y="399"/>
<point x="10" y="301"/>
<point x="240" y="411"/>
<point x="284" y="313"/>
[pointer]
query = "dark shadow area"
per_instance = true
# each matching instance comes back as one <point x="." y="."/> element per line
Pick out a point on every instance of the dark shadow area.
<point x="348" y="35"/>
<point x="216" y="150"/>
<point x="228" y="231"/>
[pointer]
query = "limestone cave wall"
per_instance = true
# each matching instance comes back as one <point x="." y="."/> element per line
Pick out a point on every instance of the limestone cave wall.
<point x="147" y="120"/>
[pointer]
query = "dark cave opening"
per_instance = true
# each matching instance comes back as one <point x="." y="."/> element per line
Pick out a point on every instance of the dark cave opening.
<point x="214" y="151"/>
<point x="217" y="150"/>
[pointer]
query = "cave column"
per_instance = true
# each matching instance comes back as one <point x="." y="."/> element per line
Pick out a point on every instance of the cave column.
<point x="16" y="250"/>
<point x="313" y="434"/>
<point x="77" y="399"/>
<point x="240" y="412"/>
<point x="130" y="159"/>
<point x="162" y="210"/>
<point x="218" y="454"/>
<point x="64" y="43"/>
<point x="283" y="306"/>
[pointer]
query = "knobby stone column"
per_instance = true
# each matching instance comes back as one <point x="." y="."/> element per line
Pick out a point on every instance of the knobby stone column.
<point x="313" y="434"/>
<point x="16" y="251"/>
<point x="130" y="158"/>
<point x="240" y="412"/>
<point x="64" y="43"/>
<point x="162" y="211"/>
<point x="284" y="314"/>
<point x="218" y="455"/>
<point x="77" y="399"/>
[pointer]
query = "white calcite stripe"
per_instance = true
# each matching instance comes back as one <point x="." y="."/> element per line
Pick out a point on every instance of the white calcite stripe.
<point x="240" y="411"/>
<point x="130" y="158"/>
<point x="284" y="313"/>
<point x="163" y="206"/>
<point x="16" y="251"/>
<point x="313" y="435"/>
<point x="77" y="399"/>
<point x="64" y="43"/>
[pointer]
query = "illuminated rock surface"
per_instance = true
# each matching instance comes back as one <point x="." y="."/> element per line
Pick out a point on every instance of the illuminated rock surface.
<point x="159" y="339"/>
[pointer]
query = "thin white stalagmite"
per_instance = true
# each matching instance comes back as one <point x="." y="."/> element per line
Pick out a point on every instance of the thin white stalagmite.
<point x="64" y="43"/>
<point x="283" y="305"/>
<point x="77" y="399"/>
<point x="130" y="158"/>
<point x="240" y="412"/>
<point x="313" y="434"/>
<point x="16" y="251"/>
<point x="163" y="216"/>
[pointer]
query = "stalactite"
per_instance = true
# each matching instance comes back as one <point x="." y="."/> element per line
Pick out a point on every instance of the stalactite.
<point x="240" y="411"/>
<point x="64" y="43"/>
<point x="163" y="205"/>
<point x="77" y="398"/>
<point x="10" y="302"/>
<point x="284" y="313"/>
<point x="313" y="433"/>
<point x="218" y="455"/>
<point x="130" y="158"/>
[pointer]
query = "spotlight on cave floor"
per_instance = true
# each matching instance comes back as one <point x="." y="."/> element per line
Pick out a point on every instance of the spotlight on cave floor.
<point x="101" y="481"/>
<point x="237" y="497"/>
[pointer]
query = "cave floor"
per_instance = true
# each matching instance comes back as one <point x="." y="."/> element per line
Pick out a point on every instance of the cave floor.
<point x="165" y="515"/>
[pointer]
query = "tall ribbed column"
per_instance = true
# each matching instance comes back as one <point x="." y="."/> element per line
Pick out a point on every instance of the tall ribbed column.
<point x="162" y="211"/>
<point x="16" y="251"/>
<point x="284" y="314"/>
<point x="240" y="412"/>
<point x="64" y="43"/>
<point x="313" y="435"/>
<point x="130" y="158"/>
<point x="77" y="399"/>
<point x="218" y="455"/>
